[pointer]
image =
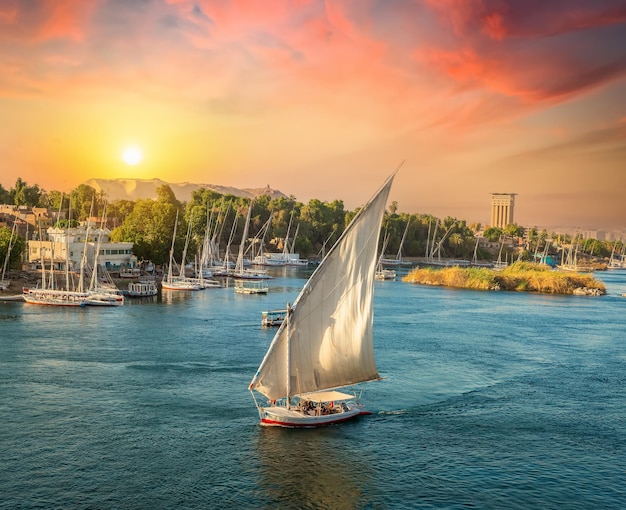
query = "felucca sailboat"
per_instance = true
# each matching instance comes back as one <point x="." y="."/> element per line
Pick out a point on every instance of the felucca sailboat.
<point x="48" y="293"/>
<point x="325" y="341"/>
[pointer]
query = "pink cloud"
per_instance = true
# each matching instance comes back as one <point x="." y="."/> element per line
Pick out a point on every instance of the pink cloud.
<point x="46" y="19"/>
<point x="534" y="51"/>
<point x="493" y="25"/>
<point x="357" y="56"/>
<point x="499" y="18"/>
<point x="8" y="13"/>
<point x="65" y="19"/>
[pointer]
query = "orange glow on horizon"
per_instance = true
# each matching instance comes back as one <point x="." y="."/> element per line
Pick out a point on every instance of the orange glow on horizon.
<point x="311" y="96"/>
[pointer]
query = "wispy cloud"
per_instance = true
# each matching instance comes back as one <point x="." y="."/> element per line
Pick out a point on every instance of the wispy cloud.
<point x="458" y="84"/>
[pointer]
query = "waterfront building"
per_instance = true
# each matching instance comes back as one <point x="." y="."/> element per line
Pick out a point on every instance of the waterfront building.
<point x="502" y="209"/>
<point x="69" y="244"/>
<point x="30" y="220"/>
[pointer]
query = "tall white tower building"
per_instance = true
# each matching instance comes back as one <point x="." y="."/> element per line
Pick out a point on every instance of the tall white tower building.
<point x="502" y="209"/>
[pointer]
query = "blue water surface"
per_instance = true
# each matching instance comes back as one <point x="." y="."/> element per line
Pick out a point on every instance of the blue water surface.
<point x="488" y="400"/>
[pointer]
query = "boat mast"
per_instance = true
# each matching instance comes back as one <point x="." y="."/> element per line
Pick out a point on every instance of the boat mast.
<point x="53" y="246"/>
<point x="169" y="269"/>
<point x="204" y="253"/>
<point x="475" y="257"/>
<point x="83" y="258"/>
<point x="230" y="240"/>
<point x="184" y="256"/>
<point x="43" y="261"/>
<point x="244" y="238"/>
<point x="432" y="245"/>
<point x="427" y="240"/>
<point x="8" y="255"/>
<point x="293" y="243"/>
<point x="286" y="242"/>
<point x="218" y="232"/>
<point x="406" y="230"/>
<point x="265" y="228"/>
<point x="94" y="275"/>
<point x="288" y="354"/>
<point x="67" y="246"/>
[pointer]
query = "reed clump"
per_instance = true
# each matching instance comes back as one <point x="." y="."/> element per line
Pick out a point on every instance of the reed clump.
<point x="520" y="276"/>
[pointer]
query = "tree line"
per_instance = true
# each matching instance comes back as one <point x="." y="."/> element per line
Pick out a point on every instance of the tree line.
<point x="149" y="224"/>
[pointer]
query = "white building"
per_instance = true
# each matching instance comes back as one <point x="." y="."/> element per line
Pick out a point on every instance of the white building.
<point x="70" y="244"/>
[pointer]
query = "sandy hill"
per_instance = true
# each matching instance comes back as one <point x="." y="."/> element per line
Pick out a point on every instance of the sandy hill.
<point x="133" y="189"/>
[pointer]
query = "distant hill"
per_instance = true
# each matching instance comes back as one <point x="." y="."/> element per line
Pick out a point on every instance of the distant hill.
<point x="133" y="189"/>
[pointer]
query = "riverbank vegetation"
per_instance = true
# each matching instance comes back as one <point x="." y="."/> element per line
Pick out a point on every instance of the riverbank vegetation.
<point x="520" y="276"/>
<point x="149" y="223"/>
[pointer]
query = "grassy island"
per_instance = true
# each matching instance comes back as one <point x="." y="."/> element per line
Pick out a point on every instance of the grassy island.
<point x="520" y="276"/>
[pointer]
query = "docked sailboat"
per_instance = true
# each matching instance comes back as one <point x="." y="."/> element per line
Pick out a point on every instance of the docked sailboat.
<point x="398" y="261"/>
<point x="101" y="293"/>
<point x="180" y="282"/>
<point x="325" y="342"/>
<point x="617" y="261"/>
<point x="4" y="282"/>
<point x="383" y="273"/>
<point x="244" y="277"/>
<point x="48" y="293"/>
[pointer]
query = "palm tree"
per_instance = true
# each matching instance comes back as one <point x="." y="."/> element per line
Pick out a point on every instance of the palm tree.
<point x="455" y="241"/>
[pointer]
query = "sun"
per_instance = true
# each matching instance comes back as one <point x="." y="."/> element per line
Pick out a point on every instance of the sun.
<point x="132" y="155"/>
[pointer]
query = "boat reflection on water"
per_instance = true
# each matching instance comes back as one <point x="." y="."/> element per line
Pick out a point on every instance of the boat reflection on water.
<point x="308" y="469"/>
<point x="176" y="296"/>
<point x="142" y="300"/>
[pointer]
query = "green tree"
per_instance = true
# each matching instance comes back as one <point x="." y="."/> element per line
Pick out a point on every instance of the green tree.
<point x="23" y="194"/>
<point x="322" y="220"/>
<point x="82" y="198"/>
<point x="493" y="234"/>
<point x="50" y="199"/>
<point x="514" y="230"/>
<point x="5" y="196"/>
<point x="150" y="227"/>
<point x="118" y="210"/>
<point x="17" y="248"/>
<point x="165" y="195"/>
<point x="475" y="227"/>
<point x="455" y="241"/>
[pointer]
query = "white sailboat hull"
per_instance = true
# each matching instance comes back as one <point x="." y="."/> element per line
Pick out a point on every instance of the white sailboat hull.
<point x="179" y="285"/>
<point x="53" y="297"/>
<point x="278" y="416"/>
<point x="104" y="299"/>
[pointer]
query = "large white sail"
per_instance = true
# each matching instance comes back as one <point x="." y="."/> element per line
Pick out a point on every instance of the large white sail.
<point x="330" y="325"/>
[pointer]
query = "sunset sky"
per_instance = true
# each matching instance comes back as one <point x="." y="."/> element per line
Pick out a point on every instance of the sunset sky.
<point x="323" y="99"/>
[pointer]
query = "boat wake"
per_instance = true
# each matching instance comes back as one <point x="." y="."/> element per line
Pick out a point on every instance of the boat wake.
<point x="394" y="412"/>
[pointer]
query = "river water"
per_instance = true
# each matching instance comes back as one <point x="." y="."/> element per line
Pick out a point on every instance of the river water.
<point x="489" y="400"/>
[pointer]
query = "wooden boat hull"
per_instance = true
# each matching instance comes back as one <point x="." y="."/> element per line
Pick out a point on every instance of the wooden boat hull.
<point x="278" y="416"/>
